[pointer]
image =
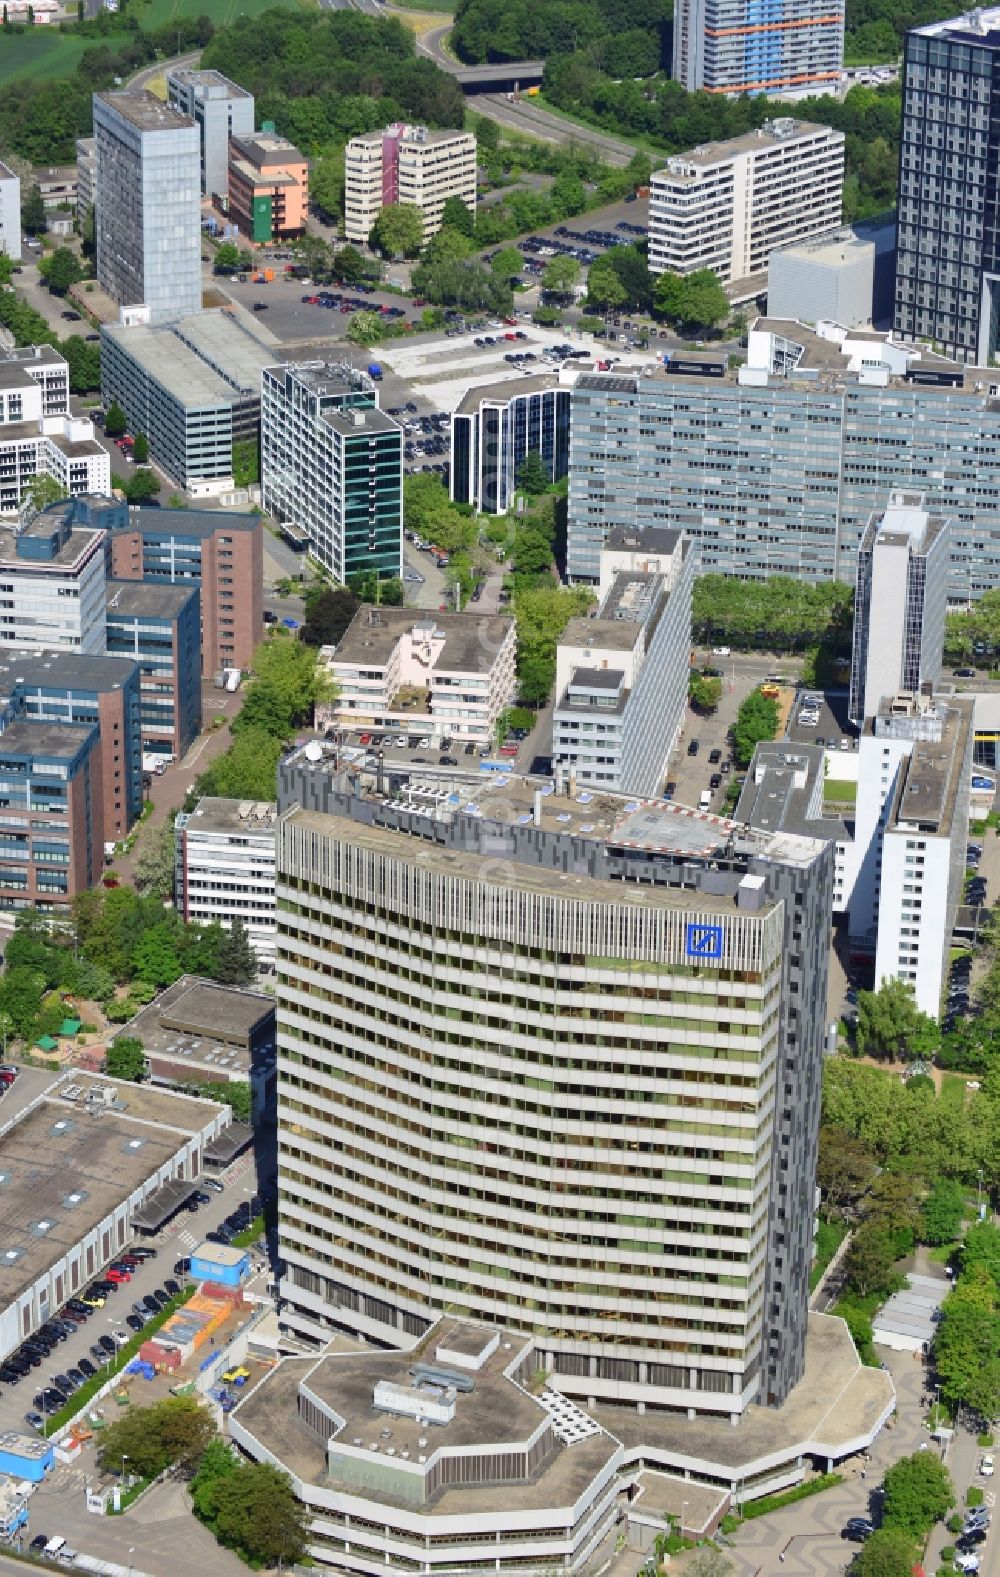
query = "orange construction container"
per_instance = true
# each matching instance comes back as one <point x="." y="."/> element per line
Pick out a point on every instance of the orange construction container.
<point x="268" y="275"/>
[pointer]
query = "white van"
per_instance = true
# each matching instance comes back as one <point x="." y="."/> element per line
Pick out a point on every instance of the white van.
<point x="705" y="802"/>
<point x="54" y="1546"/>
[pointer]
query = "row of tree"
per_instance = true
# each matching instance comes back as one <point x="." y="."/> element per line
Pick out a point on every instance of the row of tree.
<point x="777" y="614"/>
<point x="250" y="1507"/>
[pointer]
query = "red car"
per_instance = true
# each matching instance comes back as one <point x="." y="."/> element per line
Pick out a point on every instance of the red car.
<point x="510" y="336"/>
<point x="508" y="750"/>
<point x="510" y="320"/>
<point x="118" y="1276"/>
<point x="364" y="739"/>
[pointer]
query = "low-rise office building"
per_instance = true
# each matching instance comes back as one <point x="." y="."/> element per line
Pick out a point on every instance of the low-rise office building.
<point x="331" y="463"/>
<point x="728" y="205"/>
<point x="494" y="429"/>
<point x="225" y="868"/>
<point x="843" y="276"/>
<point x="77" y="1162"/>
<point x="446" y="675"/>
<point x="268" y="187"/>
<point x="407" y="164"/>
<point x="622" y="675"/>
<point x="10" y="213"/>
<point x="220" y="110"/>
<point x="159" y="628"/>
<point x="192" y="386"/>
<point x="198" y="1032"/>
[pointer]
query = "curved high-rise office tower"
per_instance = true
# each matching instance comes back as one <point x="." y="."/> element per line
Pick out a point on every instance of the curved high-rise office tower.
<point x="551" y="1063"/>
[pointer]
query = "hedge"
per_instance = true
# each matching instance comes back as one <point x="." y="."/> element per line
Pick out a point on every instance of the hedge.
<point x="769" y="1503"/>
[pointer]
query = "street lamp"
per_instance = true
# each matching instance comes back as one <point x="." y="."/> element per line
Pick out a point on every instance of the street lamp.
<point x="131" y="1552"/>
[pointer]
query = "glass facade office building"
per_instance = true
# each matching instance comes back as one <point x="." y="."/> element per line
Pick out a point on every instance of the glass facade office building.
<point x="493" y="430"/>
<point x="948" y="233"/>
<point x="783" y="475"/>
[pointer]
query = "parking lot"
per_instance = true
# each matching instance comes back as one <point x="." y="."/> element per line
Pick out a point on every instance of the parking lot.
<point x="167" y="1250"/>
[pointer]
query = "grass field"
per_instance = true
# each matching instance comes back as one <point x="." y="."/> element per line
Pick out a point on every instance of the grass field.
<point x="158" y="13"/>
<point x="40" y="53"/>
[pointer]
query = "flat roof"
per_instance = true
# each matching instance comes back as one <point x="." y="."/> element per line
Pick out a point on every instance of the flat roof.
<point x="412" y="135"/>
<point x="509" y="798"/>
<point x="325" y="377"/>
<point x="28" y="736"/>
<point x="619" y="635"/>
<point x="59" y="670"/>
<point x="505" y="390"/>
<point x="208" y="79"/>
<point x="650" y="539"/>
<point x="254" y="818"/>
<point x="361" y="419"/>
<point x="14" y="375"/>
<point x="207" y="358"/>
<point x="67" y="1163"/>
<point x="80" y="540"/>
<point x="930" y="780"/>
<point x="150" y="599"/>
<point x="781" y="131"/>
<point x="979" y="26"/>
<point x="144" y="111"/>
<point x="219" y="1253"/>
<point x="774" y="798"/>
<point x="200" y="1027"/>
<point x="471" y="640"/>
<point x="494" y="1411"/>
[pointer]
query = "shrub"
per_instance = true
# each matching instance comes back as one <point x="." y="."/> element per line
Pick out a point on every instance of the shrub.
<point x="974" y="1495"/>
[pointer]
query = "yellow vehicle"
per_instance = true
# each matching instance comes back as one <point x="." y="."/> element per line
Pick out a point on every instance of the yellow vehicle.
<point x="236" y="1375"/>
<point x="772" y="691"/>
<point x="93" y="1301"/>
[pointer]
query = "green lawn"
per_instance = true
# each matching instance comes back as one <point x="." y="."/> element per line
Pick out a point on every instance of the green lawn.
<point x="840" y="791"/>
<point x="41" y="53"/>
<point x="158" y="13"/>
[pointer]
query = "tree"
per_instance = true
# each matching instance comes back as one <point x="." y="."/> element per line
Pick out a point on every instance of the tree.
<point x="326" y="186"/>
<point x="154" y="865"/>
<point x="890" y="1552"/>
<point x="533" y="474"/>
<point x="943" y="1211"/>
<point x="175" y="1432"/>
<point x="115" y="420"/>
<point x="33" y="218"/>
<point x="709" y="1562"/>
<point x="255" y="1510"/>
<point x="365" y="328"/>
<point x="399" y="230"/>
<point x="247" y="770"/>
<point x="890" y="1024"/>
<point x="456" y="216"/>
<point x="155" y="959"/>
<point x="125" y="1059"/>
<point x="140" y="449"/>
<point x="44" y="490"/>
<point x="870" y="1260"/>
<point x="845" y="1168"/>
<point x="60" y="270"/>
<point x="695" y="299"/>
<point x="236" y="964"/>
<point x="348" y="265"/>
<point x="918" y="1493"/>
<point x="561" y="275"/>
<point x="604" y="288"/>
<point x="142" y="485"/>
<point x="246" y="462"/>
<point x="507" y="263"/>
<point x="705" y="691"/>
<point x="84" y="361"/>
<point x="227" y="258"/>
<point x="756" y="720"/>
<point x="327" y="615"/>
<point x="6" y="268"/>
<point x="286" y="684"/>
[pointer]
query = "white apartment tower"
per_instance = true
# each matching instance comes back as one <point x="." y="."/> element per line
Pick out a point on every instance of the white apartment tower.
<point x="407" y="164"/>
<point x="900" y="603"/>
<point x="220" y="109"/>
<point x="147" y="204"/>
<point x="728" y="205"/>
<point x="10" y="213"/>
<point x="789" y="49"/>
<point x="622" y="676"/>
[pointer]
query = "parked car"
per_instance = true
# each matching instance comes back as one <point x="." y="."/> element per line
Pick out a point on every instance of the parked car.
<point x="181" y="1268"/>
<point x="692" y="747"/>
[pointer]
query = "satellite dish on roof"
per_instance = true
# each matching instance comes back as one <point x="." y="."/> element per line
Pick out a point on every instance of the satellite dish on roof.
<point x="314" y="750"/>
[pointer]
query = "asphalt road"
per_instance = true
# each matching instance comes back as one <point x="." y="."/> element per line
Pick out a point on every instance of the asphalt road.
<point x="144" y="77"/>
<point x="524" y="116"/>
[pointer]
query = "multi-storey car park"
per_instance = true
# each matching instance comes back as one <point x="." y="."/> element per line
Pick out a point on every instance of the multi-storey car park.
<point x="777" y="467"/>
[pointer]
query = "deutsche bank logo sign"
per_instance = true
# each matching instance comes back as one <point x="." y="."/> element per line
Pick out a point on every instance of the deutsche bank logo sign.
<point x="704" y="941"/>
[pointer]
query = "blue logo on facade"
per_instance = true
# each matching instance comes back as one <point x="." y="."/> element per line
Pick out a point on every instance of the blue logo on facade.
<point x="704" y="941"/>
